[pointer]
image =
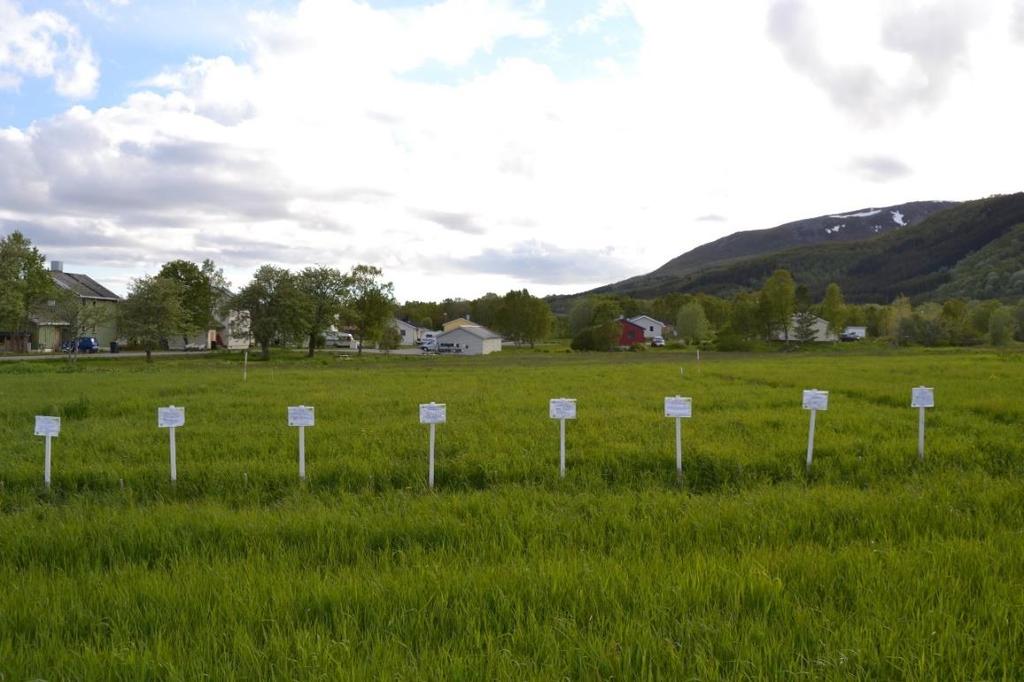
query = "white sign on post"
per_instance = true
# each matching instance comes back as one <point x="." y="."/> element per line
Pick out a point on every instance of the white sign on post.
<point x="433" y="414"/>
<point x="921" y="397"/>
<point x="679" y="408"/>
<point x="49" y="428"/>
<point x="301" y="416"/>
<point x="171" y="418"/>
<point x="562" y="409"/>
<point x="814" y="400"/>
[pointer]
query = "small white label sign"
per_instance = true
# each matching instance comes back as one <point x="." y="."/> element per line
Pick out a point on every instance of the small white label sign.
<point x="170" y="417"/>
<point x="922" y="396"/>
<point x="433" y="413"/>
<point x="47" y="426"/>
<point x="677" y="406"/>
<point x="815" y="400"/>
<point x="300" y="415"/>
<point x="562" y="408"/>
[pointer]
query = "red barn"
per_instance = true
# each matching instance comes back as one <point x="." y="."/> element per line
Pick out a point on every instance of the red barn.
<point x="630" y="333"/>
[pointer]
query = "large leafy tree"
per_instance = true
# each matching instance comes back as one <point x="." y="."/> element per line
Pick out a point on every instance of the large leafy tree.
<point x="778" y="301"/>
<point x="326" y="293"/>
<point x="523" y="318"/>
<point x="692" y="323"/>
<point x="372" y="302"/>
<point x="152" y="312"/>
<point x="273" y="305"/>
<point x="24" y="281"/>
<point x="196" y="292"/>
<point x="833" y="309"/>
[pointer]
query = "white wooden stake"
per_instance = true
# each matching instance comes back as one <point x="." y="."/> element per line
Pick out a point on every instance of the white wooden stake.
<point x="301" y="416"/>
<point x="245" y="367"/>
<point x="430" y="475"/>
<point x="302" y="453"/>
<point x="810" y="442"/>
<point x="679" y="447"/>
<point x="174" y="458"/>
<point x="561" y="448"/>
<point x="920" y="435"/>
<point x="47" y="451"/>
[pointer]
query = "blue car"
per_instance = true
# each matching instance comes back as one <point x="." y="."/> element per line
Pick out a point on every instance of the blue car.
<point x="85" y="344"/>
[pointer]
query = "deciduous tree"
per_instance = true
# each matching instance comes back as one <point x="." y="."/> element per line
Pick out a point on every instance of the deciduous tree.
<point x="152" y="312"/>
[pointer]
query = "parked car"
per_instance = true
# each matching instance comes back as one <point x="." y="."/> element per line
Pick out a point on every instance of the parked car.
<point x="849" y="336"/>
<point x="338" y="339"/>
<point x="428" y="337"/>
<point x="84" y="344"/>
<point x="428" y="345"/>
<point x="657" y="342"/>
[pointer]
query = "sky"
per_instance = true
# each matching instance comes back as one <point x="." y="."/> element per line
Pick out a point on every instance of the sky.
<point x="473" y="146"/>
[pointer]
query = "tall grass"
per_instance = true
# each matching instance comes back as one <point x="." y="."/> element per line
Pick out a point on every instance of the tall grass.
<point x="875" y="566"/>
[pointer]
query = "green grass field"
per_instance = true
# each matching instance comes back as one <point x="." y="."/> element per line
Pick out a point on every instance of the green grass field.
<point x="873" y="566"/>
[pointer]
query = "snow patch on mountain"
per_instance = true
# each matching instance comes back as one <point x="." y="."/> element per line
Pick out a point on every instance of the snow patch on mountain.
<point x="834" y="229"/>
<point x="897" y="217"/>
<point x="862" y="214"/>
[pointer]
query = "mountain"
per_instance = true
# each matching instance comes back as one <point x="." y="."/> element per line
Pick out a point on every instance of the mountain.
<point x="841" y="227"/>
<point x="974" y="249"/>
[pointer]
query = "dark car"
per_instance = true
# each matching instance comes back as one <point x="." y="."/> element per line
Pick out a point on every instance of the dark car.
<point x="85" y="344"/>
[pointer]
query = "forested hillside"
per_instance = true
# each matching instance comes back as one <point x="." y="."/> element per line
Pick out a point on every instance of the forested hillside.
<point x="972" y="249"/>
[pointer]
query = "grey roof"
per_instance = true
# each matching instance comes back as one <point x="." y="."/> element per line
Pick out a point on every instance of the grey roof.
<point x="475" y="330"/>
<point x="83" y="285"/>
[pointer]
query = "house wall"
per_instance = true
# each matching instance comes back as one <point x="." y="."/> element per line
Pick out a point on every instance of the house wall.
<point x="630" y="334"/>
<point x="106" y="331"/>
<point x="410" y="333"/>
<point x="464" y="343"/>
<point x="651" y="327"/>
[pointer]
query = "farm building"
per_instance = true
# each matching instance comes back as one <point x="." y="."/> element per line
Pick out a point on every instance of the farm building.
<point x="50" y="331"/>
<point x="820" y="327"/>
<point x="630" y="333"/>
<point x="469" y="340"/>
<point x="458" y="322"/>
<point x="651" y="326"/>
<point x="410" y="333"/>
<point x="229" y="331"/>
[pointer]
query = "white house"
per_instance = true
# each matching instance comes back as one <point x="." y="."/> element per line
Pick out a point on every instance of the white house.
<point x="652" y="327"/>
<point x="469" y="340"/>
<point x="410" y="333"/>
<point x="820" y="327"/>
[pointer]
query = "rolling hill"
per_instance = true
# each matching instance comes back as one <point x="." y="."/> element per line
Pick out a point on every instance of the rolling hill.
<point x="974" y="249"/>
<point x="841" y="227"/>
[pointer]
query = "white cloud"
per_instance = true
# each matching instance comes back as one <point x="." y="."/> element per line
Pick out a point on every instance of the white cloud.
<point x="324" y="146"/>
<point x="45" y="45"/>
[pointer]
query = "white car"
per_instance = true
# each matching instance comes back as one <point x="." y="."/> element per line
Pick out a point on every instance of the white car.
<point x="428" y="345"/>
<point x="339" y="339"/>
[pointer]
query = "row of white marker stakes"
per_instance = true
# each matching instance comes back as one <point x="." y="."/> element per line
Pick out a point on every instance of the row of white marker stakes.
<point x="562" y="409"/>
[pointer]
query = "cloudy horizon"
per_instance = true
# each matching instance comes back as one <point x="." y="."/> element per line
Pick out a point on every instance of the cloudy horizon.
<point x="467" y="146"/>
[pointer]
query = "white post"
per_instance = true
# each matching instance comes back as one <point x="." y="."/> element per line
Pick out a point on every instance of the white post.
<point x="679" y="447"/>
<point x="810" y="442"/>
<point x="920" y="435"/>
<point x="302" y="453"/>
<point x="245" y="367"/>
<point x="46" y="462"/>
<point x="174" y="458"/>
<point x="430" y="474"/>
<point x="561" y="449"/>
